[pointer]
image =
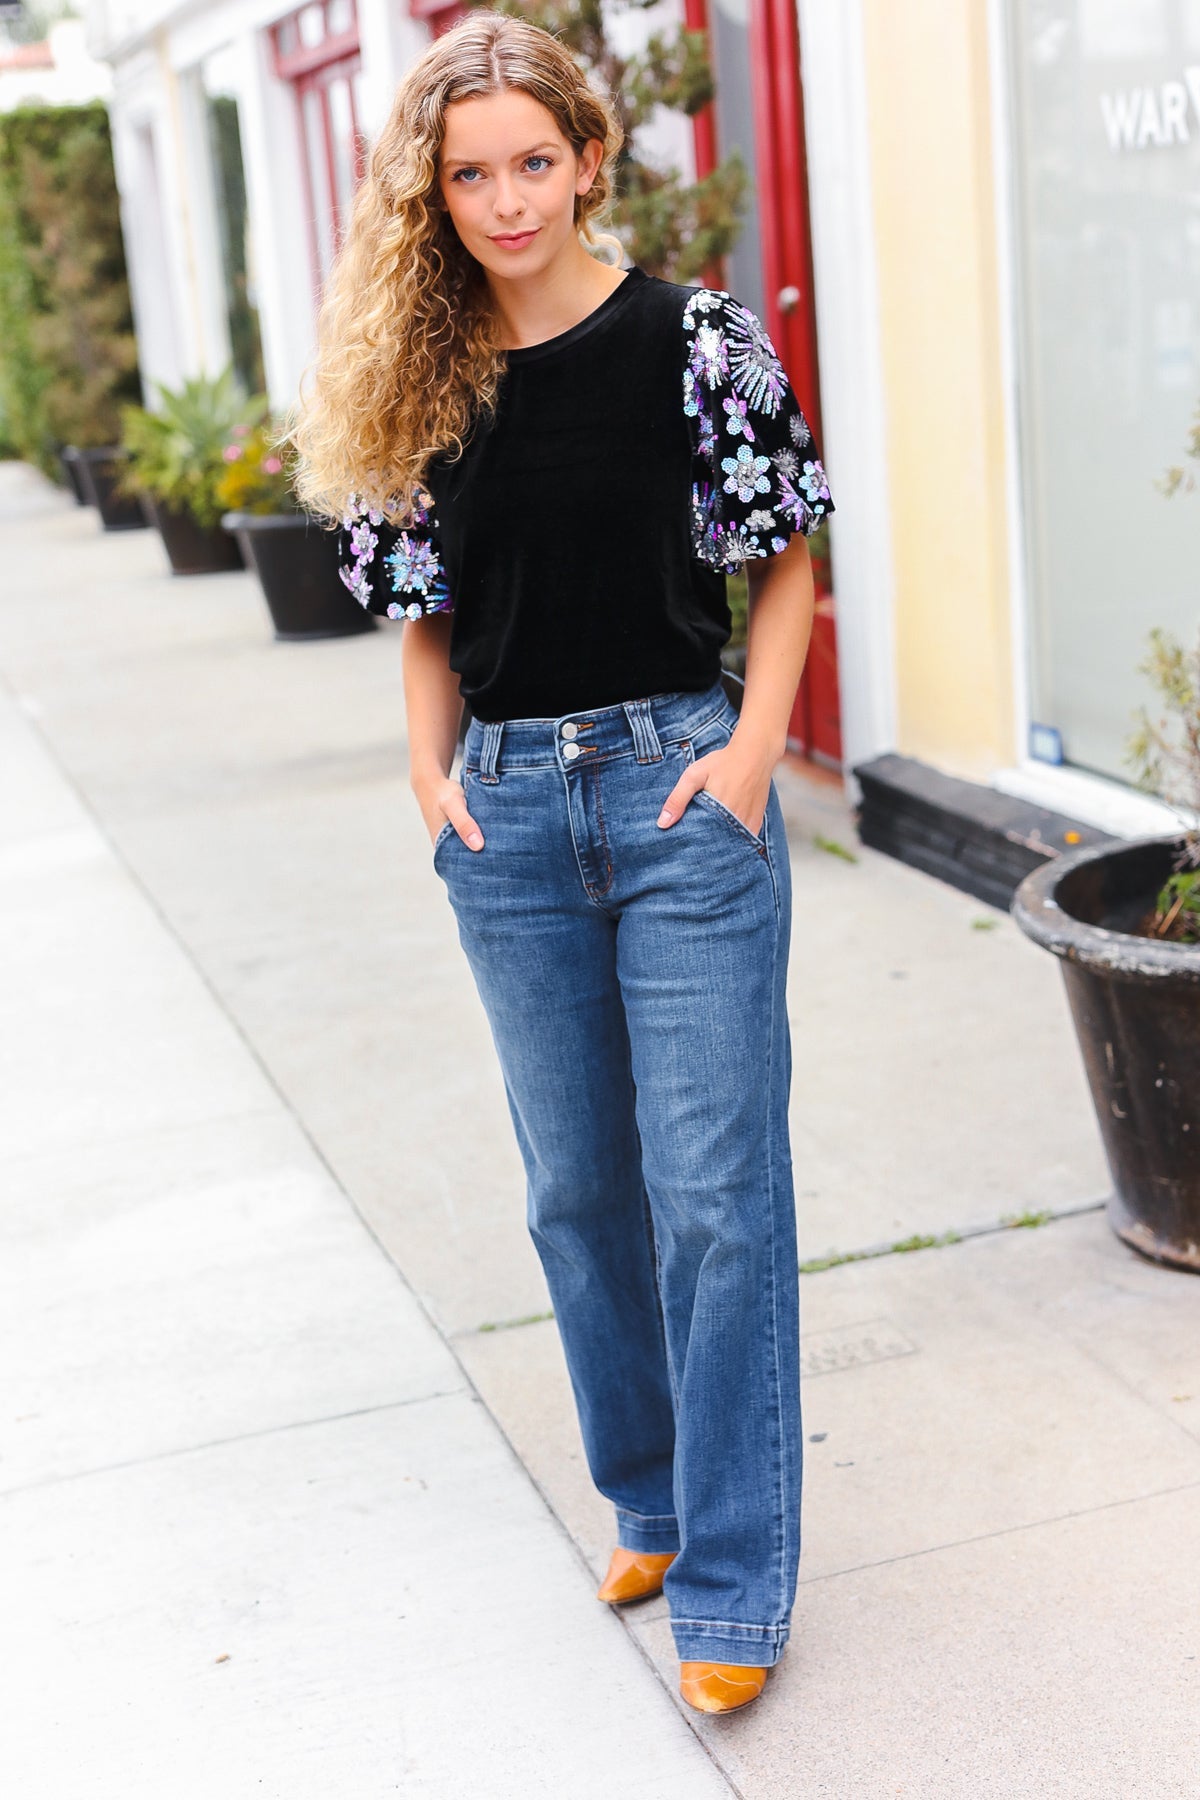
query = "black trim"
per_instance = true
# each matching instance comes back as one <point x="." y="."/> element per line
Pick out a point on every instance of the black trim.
<point x="973" y="837"/>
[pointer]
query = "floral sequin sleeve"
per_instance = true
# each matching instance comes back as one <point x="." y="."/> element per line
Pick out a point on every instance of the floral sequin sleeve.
<point x="756" y="476"/>
<point x="395" y="572"/>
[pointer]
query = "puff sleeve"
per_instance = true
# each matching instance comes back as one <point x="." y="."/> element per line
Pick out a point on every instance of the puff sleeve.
<point x="397" y="573"/>
<point x="757" y="478"/>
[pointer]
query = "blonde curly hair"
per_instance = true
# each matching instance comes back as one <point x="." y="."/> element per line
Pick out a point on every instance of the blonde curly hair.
<point x="407" y="353"/>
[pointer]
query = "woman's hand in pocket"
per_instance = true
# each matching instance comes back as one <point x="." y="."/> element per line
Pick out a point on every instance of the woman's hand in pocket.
<point x="740" y="778"/>
<point x="443" y="802"/>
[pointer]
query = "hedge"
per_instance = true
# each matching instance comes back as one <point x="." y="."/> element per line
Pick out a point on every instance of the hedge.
<point x="68" y="357"/>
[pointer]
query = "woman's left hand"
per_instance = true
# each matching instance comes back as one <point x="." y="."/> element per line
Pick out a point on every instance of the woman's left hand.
<point x="738" y="776"/>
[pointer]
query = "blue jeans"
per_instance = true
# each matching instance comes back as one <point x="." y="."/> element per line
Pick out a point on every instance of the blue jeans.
<point x="633" y="979"/>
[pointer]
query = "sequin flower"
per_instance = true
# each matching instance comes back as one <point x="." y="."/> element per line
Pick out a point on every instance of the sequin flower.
<point x="746" y="474"/>
<point x="737" y="418"/>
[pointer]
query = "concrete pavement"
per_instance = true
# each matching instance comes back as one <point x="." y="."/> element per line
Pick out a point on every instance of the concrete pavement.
<point x="242" y="1015"/>
<point x="257" y="1534"/>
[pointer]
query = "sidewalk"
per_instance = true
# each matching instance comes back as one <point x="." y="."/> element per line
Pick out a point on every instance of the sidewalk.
<point x="242" y="1018"/>
<point x="257" y="1534"/>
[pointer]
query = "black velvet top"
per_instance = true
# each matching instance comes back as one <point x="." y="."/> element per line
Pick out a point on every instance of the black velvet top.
<point x="582" y="539"/>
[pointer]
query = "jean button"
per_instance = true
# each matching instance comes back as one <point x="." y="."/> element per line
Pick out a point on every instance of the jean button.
<point x="570" y="752"/>
<point x="570" y="729"/>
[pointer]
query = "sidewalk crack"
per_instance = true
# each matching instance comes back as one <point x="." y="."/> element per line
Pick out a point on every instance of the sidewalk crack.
<point x="237" y="1437"/>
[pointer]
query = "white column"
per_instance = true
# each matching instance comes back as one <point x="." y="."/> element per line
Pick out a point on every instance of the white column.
<point x="183" y="166"/>
<point x="156" y="311"/>
<point x="212" y="351"/>
<point x="276" y="205"/>
<point x="851" y="370"/>
<point x="151" y="172"/>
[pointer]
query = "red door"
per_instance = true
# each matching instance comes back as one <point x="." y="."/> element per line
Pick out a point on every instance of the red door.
<point x="760" y="109"/>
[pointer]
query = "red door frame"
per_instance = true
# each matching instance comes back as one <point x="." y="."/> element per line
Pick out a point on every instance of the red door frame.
<point x="778" y="89"/>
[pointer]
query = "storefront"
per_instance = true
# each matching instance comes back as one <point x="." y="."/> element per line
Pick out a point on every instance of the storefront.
<point x="1105" y="109"/>
<point x="239" y="131"/>
<point x="1032" y="258"/>
<point x="975" y="240"/>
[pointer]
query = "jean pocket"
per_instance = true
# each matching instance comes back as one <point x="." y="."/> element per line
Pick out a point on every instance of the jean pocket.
<point x="446" y="832"/>
<point x="710" y="803"/>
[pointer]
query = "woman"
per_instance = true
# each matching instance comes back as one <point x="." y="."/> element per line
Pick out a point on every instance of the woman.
<point x="547" y="464"/>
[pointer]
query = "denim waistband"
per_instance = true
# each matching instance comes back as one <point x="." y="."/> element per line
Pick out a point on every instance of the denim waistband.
<point x="631" y="728"/>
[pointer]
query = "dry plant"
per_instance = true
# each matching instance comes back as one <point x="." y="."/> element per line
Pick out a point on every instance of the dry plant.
<point x="1164" y="752"/>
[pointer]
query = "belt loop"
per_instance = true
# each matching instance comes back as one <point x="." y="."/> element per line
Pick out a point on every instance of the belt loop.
<point x="489" y="753"/>
<point x="645" y="738"/>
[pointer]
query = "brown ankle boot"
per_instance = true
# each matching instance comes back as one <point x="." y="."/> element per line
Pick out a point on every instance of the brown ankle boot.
<point x="634" y="1575"/>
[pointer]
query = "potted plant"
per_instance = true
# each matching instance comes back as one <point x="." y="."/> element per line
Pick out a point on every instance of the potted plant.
<point x="290" y="551"/>
<point x="1125" y="920"/>
<point x="68" y="462"/>
<point x="176" y="463"/>
<point x="99" y="476"/>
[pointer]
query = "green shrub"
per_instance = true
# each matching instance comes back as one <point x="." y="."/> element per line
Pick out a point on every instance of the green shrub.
<point x="177" y="454"/>
<point x="69" y="354"/>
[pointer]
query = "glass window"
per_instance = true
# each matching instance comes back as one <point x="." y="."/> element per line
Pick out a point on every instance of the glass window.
<point x="1107" y="150"/>
<point x="325" y="75"/>
<point x="343" y="144"/>
<point x="729" y="47"/>
<point x="311" y="24"/>
<point x="218" y="85"/>
<point x="312" y="114"/>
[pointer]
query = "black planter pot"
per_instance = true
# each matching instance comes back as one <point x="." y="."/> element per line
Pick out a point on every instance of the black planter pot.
<point x="98" y="471"/>
<point x="191" y="550"/>
<point x="296" y="563"/>
<point x="1136" y="1006"/>
<point x="68" y="462"/>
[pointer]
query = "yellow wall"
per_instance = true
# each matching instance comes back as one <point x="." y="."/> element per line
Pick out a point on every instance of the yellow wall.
<point x="928" y="91"/>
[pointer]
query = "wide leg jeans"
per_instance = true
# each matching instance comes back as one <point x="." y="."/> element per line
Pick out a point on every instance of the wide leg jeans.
<point x="633" y="978"/>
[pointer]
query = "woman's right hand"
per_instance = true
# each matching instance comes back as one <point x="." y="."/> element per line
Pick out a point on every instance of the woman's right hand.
<point x="444" y="801"/>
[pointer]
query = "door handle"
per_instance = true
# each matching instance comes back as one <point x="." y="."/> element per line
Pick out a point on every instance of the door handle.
<point x="788" y="299"/>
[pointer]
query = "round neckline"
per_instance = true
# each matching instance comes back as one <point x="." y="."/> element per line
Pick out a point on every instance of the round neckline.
<point x="562" y="339"/>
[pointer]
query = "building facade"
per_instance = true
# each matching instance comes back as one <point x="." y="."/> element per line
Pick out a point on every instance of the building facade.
<point x="59" y="71"/>
<point x="975" y="240"/>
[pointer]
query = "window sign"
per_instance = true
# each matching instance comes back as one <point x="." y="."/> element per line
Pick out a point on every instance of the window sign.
<point x="1106" y="133"/>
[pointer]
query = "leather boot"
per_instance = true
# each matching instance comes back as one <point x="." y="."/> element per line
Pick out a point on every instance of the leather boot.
<point x="634" y="1575"/>
<point x="720" y="1687"/>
